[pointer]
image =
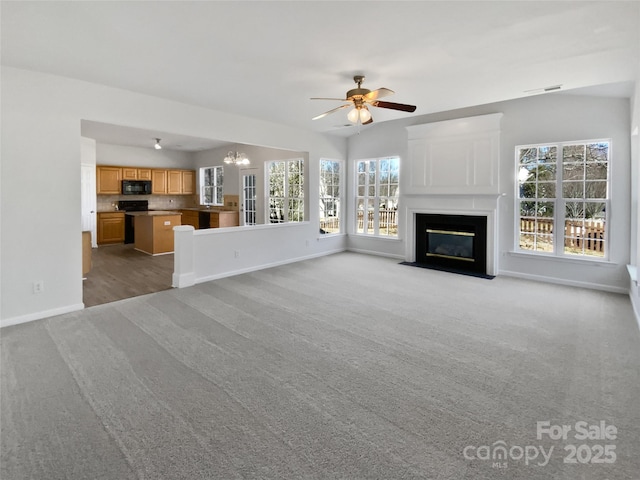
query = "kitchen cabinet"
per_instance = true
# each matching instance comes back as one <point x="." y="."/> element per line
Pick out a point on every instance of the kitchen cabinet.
<point x="188" y="182"/>
<point x="144" y="174"/>
<point x="163" y="182"/>
<point x="174" y="182"/>
<point x="129" y="173"/>
<point x="159" y="182"/>
<point x="108" y="180"/>
<point x="190" y="217"/>
<point x="110" y="227"/>
<point x="134" y="173"/>
<point x="154" y="231"/>
<point x="219" y="219"/>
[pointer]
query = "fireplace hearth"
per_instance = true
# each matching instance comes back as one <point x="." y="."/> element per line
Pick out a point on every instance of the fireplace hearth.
<point x="456" y="243"/>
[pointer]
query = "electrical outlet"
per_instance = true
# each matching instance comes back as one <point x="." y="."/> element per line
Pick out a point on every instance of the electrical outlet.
<point x="38" y="287"/>
<point x="236" y="253"/>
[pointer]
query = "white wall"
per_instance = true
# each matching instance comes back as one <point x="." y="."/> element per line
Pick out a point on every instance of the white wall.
<point x="126" y="156"/>
<point x="634" y="242"/>
<point x="537" y="119"/>
<point x="41" y="120"/>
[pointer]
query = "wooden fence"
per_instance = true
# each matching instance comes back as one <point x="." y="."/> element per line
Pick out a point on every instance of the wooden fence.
<point x="589" y="235"/>
<point x="388" y="221"/>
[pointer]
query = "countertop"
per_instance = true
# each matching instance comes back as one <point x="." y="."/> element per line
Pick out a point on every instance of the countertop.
<point x="209" y="210"/>
<point x="151" y="213"/>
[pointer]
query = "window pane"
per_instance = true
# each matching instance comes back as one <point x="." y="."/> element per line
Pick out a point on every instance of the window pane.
<point x="598" y="152"/>
<point x="547" y="154"/>
<point x="573" y="153"/>
<point x="546" y="190"/>
<point x="528" y="190"/>
<point x="595" y="190"/>
<point x="573" y="171"/>
<point x="528" y="156"/>
<point x="573" y="189"/>
<point x="596" y="171"/>
<point x="547" y="172"/>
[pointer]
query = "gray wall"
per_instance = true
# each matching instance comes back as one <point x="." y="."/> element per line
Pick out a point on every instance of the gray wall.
<point x="537" y="119"/>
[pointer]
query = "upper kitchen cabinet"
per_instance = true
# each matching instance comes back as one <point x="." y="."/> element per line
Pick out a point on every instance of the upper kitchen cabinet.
<point x="133" y="173"/>
<point x="159" y="182"/>
<point x="188" y="182"/>
<point x="108" y="180"/>
<point x="173" y="182"/>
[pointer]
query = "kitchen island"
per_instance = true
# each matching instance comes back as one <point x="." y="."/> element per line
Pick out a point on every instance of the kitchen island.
<point x="154" y="230"/>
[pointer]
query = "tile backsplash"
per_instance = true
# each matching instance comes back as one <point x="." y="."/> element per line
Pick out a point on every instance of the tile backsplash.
<point x="107" y="203"/>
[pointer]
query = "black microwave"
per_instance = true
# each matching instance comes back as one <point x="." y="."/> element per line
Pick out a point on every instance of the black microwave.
<point x="136" y="187"/>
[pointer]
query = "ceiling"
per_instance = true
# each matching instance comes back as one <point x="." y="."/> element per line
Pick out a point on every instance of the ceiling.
<point x="265" y="59"/>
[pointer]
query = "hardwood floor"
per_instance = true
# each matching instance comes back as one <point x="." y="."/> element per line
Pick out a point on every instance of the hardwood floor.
<point x="119" y="271"/>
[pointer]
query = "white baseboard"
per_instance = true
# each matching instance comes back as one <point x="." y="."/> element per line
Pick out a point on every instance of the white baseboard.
<point x="376" y="253"/>
<point x="184" y="280"/>
<point x="561" y="281"/>
<point x="7" y="322"/>
<point x="635" y="300"/>
<point x="263" y="266"/>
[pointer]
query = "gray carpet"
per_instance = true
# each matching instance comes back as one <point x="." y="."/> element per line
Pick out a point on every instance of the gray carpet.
<point x="342" y="367"/>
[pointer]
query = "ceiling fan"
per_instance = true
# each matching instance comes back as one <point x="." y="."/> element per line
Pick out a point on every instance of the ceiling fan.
<point x="360" y="98"/>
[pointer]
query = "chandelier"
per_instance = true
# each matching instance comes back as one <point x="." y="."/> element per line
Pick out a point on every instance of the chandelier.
<point x="236" y="158"/>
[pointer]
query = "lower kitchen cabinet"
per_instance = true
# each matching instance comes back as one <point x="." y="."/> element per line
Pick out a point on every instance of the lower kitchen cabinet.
<point x="191" y="217"/>
<point x="110" y="227"/>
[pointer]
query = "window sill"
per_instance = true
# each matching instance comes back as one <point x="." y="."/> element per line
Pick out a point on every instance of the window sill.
<point x="580" y="261"/>
<point x="325" y="236"/>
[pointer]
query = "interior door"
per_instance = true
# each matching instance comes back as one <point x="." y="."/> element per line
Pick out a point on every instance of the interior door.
<point x="248" y="206"/>
<point x="89" y="201"/>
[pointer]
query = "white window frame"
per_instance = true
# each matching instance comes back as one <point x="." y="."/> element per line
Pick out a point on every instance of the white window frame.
<point x="218" y="196"/>
<point x="288" y="198"/>
<point x="560" y="204"/>
<point x="374" y="193"/>
<point x="325" y="195"/>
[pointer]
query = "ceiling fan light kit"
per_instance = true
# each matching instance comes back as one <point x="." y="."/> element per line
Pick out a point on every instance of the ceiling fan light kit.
<point x="359" y="98"/>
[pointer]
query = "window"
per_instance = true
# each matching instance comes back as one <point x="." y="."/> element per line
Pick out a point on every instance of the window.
<point x="211" y="186"/>
<point x="286" y="191"/>
<point x="330" y="196"/>
<point x="564" y="185"/>
<point x="377" y="196"/>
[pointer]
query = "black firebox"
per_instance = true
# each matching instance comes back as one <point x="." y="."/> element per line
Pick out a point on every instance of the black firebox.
<point x="454" y="242"/>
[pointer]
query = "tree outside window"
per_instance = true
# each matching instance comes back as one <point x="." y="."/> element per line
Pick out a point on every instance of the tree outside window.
<point x="211" y="192"/>
<point x="330" y="196"/>
<point x="286" y="191"/>
<point x="563" y="194"/>
<point x="377" y="194"/>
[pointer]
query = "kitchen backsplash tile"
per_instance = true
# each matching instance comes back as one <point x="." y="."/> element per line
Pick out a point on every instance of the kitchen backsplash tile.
<point x="156" y="202"/>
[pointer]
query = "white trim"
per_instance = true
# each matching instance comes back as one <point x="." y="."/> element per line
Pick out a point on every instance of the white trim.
<point x="264" y="266"/>
<point x="562" y="281"/>
<point x="492" y="230"/>
<point x="183" y="280"/>
<point x="579" y="259"/>
<point x="375" y="253"/>
<point x="7" y="322"/>
<point x="636" y="307"/>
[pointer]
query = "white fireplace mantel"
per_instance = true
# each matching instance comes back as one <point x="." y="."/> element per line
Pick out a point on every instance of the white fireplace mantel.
<point x="454" y="170"/>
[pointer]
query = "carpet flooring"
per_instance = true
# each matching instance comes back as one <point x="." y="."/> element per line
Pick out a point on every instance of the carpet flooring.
<point x="342" y="367"/>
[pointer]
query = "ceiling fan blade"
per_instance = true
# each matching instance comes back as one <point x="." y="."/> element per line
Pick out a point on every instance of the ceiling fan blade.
<point x="394" y="106"/>
<point x="334" y="99"/>
<point x="368" y="121"/>
<point x="331" y="111"/>
<point x="379" y="93"/>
